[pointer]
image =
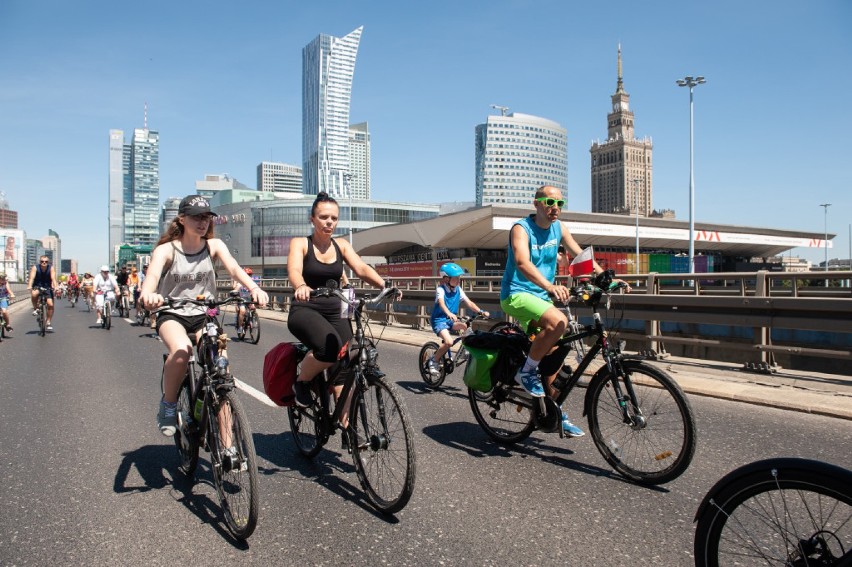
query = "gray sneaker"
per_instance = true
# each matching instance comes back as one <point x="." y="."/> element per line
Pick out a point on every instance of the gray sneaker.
<point x="167" y="418"/>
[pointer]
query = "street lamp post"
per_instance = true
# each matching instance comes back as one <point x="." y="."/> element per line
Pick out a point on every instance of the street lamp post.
<point x="825" y="207"/>
<point x="691" y="82"/>
<point x="636" y="191"/>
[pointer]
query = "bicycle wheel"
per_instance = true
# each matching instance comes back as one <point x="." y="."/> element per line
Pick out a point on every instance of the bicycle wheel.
<point x="502" y="413"/>
<point x="42" y="319"/>
<point x="107" y="316"/>
<point x="382" y="444"/>
<point x="186" y="435"/>
<point x="234" y="464"/>
<point x="254" y="327"/>
<point x="426" y="354"/>
<point x="783" y="511"/>
<point x="306" y="423"/>
<point x="658" y="443"/>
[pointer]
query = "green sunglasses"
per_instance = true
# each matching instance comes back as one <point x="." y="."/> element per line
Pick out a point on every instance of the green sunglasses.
<point x="550" y="201"/>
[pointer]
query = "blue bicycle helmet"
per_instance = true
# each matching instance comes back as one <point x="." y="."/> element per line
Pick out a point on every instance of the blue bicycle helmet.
<point x="452" y="270"/>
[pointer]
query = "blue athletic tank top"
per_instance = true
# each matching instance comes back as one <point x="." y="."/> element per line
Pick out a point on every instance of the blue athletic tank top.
<point x="544" y="243"/>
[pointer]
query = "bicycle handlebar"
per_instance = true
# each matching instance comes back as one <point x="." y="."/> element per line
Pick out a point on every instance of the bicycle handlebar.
<point x="367" y="300"/>
<point x="209" y="302"/>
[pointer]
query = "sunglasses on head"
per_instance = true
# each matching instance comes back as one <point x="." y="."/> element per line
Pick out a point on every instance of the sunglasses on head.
<point x="550" y="201"/>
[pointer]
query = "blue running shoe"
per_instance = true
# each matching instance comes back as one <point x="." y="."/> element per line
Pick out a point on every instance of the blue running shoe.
<point x="530" y="382"/>
<point x="569" y="429"/>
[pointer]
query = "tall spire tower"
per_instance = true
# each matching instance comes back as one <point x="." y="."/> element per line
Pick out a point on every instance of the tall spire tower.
<point x="621" y="165"/>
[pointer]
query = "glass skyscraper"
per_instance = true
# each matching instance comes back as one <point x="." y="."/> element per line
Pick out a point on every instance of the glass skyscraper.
<point x="328" y="64"/>
<point x="134" y="189"/>
<point x="515" y="155"/>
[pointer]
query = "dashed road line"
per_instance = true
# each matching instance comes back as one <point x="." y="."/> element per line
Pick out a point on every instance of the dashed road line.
<point x="254" y="393"/>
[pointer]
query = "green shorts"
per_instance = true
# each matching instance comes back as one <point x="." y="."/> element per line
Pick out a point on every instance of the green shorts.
<point x="525" y="307"/>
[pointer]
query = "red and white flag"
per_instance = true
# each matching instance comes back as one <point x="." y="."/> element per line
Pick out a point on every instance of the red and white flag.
<point x="583" y="264"/>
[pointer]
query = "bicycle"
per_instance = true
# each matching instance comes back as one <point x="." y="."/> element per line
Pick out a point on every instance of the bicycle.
<point x="379" y="434"/>
<point x="782" y="511"/>
<point x="142" y="316"/>
<point x="73" y="296"/>
<point x="450" y="361"/>
<point x="106" y="310"/>
<point x="41" y="310"/>
<point x="211" y="416"/>
<point x="640" y="420"/>
<point x="123" y="302"/>
<point x="251" y="322"/>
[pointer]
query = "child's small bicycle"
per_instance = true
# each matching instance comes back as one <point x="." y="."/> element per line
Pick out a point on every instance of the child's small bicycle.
<point x="451" y="360"/>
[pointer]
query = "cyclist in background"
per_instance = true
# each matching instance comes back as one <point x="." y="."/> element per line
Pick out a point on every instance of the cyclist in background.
<point x="122" y="277"/>
<point x="87" y="285"/>
<point x="43" y="275"/>
<point x="5" y="295"/>
<point x="133" y="283"/>
<point x="448" y="298"/>
<point x="73" y="285"/>
<point x="182" y="268"/>
<point x="245" y="294"/>
<point x="105" y="286"/>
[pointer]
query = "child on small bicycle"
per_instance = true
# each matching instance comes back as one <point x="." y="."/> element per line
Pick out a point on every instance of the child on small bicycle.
<point x="448" y="297"/>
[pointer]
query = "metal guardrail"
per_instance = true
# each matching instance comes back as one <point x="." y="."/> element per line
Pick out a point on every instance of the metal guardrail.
<point x="761" y="301"/>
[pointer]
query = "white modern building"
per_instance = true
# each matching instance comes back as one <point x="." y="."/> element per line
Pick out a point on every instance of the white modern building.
<point x="359" y="161"/>
<point x="214" y="183"/>
<point x="328" y="65"/>
<point x="516" y="154"/>
<point x="275" y="177"/>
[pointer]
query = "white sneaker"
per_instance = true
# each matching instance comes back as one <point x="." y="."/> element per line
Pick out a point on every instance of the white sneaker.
<point x="433" y="367"/>
<point x="35" y="312"/>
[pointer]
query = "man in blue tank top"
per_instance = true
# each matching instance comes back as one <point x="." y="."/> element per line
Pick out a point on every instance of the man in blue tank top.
<point x="43" y="276"/>
<point x="528" y="284"/>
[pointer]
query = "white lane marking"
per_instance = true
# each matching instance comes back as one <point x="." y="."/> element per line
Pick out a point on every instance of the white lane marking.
<point x="254" y="392"/>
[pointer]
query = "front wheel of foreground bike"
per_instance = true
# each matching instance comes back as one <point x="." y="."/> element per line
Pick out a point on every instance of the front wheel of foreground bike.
<point x="186" y="435"/>
<point x="502" y="413"/>
<point x="233" y="460"/>
<point x="784" y="511"/>
<point x="382" y="444"/>
<point x="655" y="443"/>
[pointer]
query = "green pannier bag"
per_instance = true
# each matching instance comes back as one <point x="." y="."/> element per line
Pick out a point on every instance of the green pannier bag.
<point x="477" y="374"/>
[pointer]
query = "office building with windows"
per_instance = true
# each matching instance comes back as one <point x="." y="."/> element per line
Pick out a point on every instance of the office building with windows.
<point x="328" y="65"/>
<point x="359" y="161"/>
<point x="515" y="155"/>
<point x="134" y="188"/>
<point x="621" y="165"/>
<point x="274" y="177"/>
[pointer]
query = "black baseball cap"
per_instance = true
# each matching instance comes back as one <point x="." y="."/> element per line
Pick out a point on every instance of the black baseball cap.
<point x="195" y="205"/>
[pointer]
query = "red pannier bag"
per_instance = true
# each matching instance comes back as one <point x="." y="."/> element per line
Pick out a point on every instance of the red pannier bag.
<point x="279" y="373"/>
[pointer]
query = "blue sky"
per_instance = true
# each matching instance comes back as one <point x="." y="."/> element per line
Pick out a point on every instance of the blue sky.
<point x="222" y="81"/>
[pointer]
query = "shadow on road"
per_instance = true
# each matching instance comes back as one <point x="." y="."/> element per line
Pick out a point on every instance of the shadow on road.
<point x="470" y="438"/>
<point x="324" y="469"/>
<point x="157" y="465"/>
<point x="451" y="390"/>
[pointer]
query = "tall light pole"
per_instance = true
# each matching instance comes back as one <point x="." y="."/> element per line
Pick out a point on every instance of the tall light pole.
<point x="636" y="191"/>
<point x="825" y="207"/>
<point x="691" y="82"/>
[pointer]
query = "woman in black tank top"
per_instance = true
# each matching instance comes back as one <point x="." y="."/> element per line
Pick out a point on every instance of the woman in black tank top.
<point x="316" y="321"/>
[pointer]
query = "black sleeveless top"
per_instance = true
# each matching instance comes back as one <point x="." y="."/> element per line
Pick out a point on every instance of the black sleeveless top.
<point x="316" y="274"/>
